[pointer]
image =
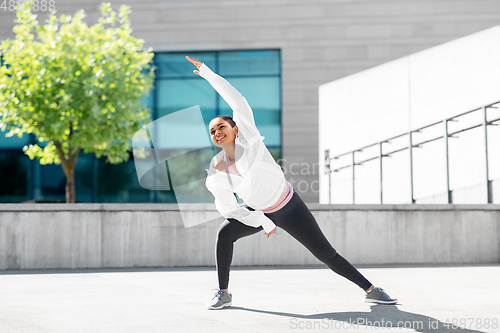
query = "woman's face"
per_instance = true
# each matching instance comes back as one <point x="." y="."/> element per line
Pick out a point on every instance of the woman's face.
<point x="221" y="132"/>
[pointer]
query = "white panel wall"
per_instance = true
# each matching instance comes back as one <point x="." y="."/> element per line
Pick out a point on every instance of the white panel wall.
<point x="455" y="76"/>
<point x="405" y="94"/>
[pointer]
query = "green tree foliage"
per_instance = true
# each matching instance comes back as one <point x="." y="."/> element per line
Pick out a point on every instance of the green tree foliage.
<point x="75" y="87"/>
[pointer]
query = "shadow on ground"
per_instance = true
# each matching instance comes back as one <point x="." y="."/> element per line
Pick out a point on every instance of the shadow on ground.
<point x="381" y="316"/>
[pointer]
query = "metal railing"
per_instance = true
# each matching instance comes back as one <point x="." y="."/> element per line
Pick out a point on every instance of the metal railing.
<point x="446" y="134"/>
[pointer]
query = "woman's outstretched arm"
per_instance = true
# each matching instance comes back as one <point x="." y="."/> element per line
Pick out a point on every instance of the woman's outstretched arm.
<point x="242" y="113"/>
<point x="226" y="204"/>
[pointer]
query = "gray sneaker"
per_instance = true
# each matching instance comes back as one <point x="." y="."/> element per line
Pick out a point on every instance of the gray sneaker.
<point x="221" y="300"/>
<point x="378" y="295"/>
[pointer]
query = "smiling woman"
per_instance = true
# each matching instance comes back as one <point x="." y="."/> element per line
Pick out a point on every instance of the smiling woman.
<point x="222" y="127"/>
<point x="246" y="167"/>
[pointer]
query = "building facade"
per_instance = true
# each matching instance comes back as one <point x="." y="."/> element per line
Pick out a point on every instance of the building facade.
<point x="299" y="45"/>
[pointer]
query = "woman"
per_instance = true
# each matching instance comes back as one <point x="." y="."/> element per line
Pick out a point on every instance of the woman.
<point x="245" y="167"/>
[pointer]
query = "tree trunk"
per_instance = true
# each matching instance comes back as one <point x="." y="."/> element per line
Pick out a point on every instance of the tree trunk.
<point x="70" y="185"/>
<point x="68" y="166"/>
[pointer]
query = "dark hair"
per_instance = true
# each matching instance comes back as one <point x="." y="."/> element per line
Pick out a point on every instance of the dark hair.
<point x="227" y="118"/>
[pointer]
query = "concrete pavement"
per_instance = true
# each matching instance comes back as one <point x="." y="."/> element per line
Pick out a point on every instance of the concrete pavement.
<point x="265" y="299"/>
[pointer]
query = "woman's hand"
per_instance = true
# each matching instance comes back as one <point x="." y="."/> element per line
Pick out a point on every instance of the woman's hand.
<point x="271" y="232"/>
<point x="196" y="63"/>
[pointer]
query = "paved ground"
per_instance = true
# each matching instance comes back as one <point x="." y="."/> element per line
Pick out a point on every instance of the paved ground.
<point x="265" y="299"/>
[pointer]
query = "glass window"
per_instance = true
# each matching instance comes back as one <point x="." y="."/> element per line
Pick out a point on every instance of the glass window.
<point x="178" y="94"/>
<point x="85" y="171"/>
<point x="262" y="94"/>
<point x="255" y="73"/>
<point x="255" y="62"/>
<point x="14" y="168"/>
<point x="13" y="141"/>
<point x="118" y="183"/>
<point x="52" y="182"/>
<point x="175" y="65"/>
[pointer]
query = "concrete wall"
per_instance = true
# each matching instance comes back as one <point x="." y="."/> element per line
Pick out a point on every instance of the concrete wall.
<point x="320" y="41"/>
<point x="41" y="236"/>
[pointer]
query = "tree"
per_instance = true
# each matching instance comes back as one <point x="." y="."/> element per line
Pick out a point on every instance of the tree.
<point x="75" y="87"/>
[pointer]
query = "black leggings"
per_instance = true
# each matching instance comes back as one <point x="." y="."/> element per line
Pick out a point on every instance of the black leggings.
<point x="296" y="219"/>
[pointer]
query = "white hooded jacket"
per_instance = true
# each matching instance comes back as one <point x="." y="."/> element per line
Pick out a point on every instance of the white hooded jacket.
<point x="262" y="181"/>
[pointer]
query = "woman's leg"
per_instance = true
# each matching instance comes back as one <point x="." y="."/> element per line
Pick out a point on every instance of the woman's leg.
<point x="296" y="219"/>
<point x="229" y="232"/>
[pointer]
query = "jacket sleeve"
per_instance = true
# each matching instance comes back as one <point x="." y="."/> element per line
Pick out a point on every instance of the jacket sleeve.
<point x="226" y="204"/>
<point x="242" y="113"/>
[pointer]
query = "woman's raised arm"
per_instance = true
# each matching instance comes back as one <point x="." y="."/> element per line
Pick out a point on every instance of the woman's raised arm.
<point x="242" y="113"/>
